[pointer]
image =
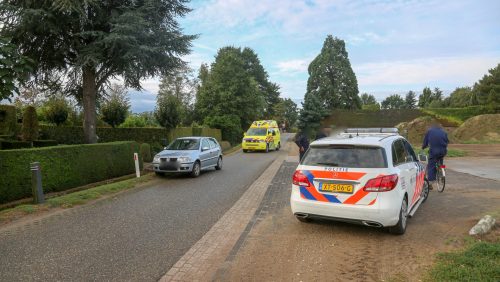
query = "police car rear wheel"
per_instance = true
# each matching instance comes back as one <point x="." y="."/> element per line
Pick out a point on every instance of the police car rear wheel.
<point x="400" y="227"/>
<point x="245" y="150"/>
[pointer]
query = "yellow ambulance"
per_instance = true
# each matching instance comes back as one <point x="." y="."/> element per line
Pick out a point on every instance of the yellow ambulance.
<point x="263" y="135"/>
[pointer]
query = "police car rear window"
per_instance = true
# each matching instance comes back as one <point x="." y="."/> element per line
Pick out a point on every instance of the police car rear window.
<point x="345" y="156"/>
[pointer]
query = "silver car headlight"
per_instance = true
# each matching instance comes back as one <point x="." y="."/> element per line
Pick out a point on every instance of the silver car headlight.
<point x="156" y="159"/>
<point x="184" y="159"/>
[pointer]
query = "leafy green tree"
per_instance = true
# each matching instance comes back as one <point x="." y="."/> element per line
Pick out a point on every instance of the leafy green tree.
<point x="168" y="110"/>
<point x="88" y="42"/>
<point x="425" y="98"/>
<point x="461" y="97"/>
<point x="14" y="68"/>
<point x="368" y="99"/>
<point x="57" y="110"/>
<point x="286" y="111"/>
<point x="229" y="124"/>
<point x="331" y="77"/>
<point x="270" y="91"/>
<point x="487" y="89"/>
<point x="437" y="95"/>
<point x="311" y="114"/>
<point x="116" y="105"/>
<point x="230" y="91"/>
<point x="394" y="102"/>
<point x="182" y="85"/>
<point x="30" y="128"/>
<point x="410" y="100"/>
<point x="134" y="120"/>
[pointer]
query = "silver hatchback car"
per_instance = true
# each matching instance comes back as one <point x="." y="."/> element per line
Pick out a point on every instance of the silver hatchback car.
<point x="189" y="155"/>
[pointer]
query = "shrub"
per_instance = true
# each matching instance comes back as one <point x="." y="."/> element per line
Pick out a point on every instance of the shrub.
<point x="8" y="120"/>
<point x="30" y="124"/>
<point x="64" y="167"/>
<point x="57" y="110"/>
<point x="115" y="108"/>
<point x="44" y="143"/>
<point x="146" y="152"/>
<point x="225" y="145"/>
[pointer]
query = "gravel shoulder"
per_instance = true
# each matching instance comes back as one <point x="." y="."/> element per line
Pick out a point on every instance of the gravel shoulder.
<point x="279" y="248"/>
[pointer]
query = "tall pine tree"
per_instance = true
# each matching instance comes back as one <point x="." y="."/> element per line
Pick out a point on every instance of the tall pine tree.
<point x="411" y="100"/>
<point x="331" y="77"/>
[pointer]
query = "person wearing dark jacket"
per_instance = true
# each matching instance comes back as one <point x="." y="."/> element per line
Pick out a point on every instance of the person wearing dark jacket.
<point x="437" y="141"/>
<point x="302" y="142"/>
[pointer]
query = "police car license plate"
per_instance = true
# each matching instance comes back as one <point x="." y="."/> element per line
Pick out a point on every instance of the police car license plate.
<point x="336" y="188"/>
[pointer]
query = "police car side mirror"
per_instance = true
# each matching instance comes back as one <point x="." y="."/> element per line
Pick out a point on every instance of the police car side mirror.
<point x="422" y="158"/>
<point x="274" y="133"/>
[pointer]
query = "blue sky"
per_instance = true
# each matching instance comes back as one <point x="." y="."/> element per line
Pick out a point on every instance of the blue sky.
<point x="394" y="46"/>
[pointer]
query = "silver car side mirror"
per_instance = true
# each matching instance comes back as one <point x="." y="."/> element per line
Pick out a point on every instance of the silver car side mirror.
<point x="205" y="149"/>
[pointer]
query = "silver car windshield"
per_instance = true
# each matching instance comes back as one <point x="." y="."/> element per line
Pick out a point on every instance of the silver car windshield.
<point x="184" y="144"/>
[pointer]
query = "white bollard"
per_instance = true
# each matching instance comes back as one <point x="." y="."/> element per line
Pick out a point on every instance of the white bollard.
<point x="137" y="169"/>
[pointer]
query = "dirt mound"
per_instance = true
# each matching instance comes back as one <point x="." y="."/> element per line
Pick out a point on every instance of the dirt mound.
<point x="480" y="128"/>
<point x="415" y="130"/>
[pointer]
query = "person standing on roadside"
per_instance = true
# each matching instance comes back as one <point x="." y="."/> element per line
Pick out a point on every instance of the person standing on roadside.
<point x="302" y="142"/>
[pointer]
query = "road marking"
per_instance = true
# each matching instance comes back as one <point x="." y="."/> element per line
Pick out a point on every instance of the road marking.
<point x="201" y="262"/>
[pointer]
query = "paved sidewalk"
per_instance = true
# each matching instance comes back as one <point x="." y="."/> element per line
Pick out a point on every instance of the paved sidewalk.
<point x="201" y="262"/>
<point x="483" y="167"/>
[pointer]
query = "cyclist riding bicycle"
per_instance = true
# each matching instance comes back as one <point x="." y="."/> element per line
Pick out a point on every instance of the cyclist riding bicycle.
<point x="437" y="139"/>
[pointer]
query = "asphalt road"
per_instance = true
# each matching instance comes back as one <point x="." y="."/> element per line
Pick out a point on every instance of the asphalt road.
<point x="135" y="236"/>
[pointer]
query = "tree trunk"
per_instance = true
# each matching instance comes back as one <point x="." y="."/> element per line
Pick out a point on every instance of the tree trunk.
<point x="89" y="105"/>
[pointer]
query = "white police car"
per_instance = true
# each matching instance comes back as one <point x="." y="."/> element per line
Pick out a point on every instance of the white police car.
<point x="368" y="176"/>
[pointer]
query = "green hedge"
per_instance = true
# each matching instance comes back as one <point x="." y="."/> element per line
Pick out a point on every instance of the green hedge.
<point x="44" y="143"/>
<point x="74" y="134"/>
<point x="64" y="167"/>
<point x="370" y="118"/>
<point x="146" y="152"/>
<point x="12" y="144"/>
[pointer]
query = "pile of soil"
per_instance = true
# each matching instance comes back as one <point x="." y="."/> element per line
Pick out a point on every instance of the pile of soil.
<point x="415" y="130"/>
<point x="480" y="128"/>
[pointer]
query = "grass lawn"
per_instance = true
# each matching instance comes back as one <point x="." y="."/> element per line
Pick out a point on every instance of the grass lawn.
<point x="73" y="199"/>
<point x="480" y="261"/>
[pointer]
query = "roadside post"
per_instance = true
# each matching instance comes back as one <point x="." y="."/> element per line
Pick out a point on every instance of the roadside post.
<point x="36" y="183"/>
<point x="137" y="169"/>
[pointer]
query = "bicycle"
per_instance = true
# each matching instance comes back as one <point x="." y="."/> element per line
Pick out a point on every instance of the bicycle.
<point x="440" y="175"/>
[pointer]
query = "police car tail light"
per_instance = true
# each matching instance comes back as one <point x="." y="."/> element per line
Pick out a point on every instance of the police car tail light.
<point x="382" y="183"/>
<point x="300" y="179"/>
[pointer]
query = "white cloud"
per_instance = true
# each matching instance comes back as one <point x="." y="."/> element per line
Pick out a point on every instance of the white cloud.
<point x="456" y="71"/>
<point x="293" y="66"/>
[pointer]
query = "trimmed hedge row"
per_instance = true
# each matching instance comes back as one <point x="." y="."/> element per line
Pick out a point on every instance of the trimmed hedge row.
<point x="64" y="167"/>
<point x="370" y="118"/>
<point x="74" y="134"/>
